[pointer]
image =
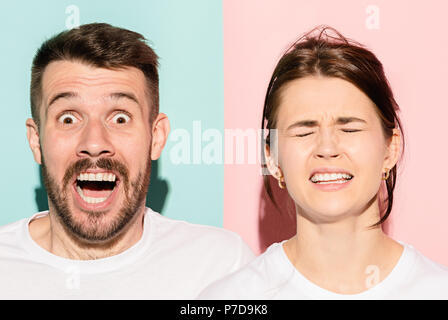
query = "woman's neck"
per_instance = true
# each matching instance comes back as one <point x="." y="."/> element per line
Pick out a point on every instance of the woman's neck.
<point x="345" y="256"/>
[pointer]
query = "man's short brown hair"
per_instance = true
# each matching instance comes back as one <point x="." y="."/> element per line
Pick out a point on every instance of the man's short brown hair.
<point x="100" y="45"/>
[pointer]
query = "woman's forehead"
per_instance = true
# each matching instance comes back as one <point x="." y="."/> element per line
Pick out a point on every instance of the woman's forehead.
<point x="323" y="99"/>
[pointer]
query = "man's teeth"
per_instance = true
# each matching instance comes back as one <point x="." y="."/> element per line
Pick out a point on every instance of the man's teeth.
<point x="97" y="177"/>
<point x="89" y="199"/>
<point x="333" y="177"/>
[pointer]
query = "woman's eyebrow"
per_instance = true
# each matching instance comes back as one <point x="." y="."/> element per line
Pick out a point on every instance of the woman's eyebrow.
<point x="344" y="120"/>
<point x="314" y="123"/>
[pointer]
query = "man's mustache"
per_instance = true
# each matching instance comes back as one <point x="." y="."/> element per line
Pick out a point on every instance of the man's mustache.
<point x="103" y="163"/>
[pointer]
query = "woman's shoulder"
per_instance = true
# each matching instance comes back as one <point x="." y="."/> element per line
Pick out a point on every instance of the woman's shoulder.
<point x="425" y="279"/>
<point x="253" y="281"/>
<point x="425" y="266"/>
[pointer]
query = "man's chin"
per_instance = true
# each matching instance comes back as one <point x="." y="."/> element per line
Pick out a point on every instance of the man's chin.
<point x="102" y="222"/>
<point x="97" y="221"/>
<point x="95" y="227"/>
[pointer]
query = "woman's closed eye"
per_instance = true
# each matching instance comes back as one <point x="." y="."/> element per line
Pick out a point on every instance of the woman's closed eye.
<point x="301" y="135"/>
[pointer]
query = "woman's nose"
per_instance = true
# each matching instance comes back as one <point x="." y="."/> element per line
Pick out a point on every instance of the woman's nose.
<point x="327" y="146"/>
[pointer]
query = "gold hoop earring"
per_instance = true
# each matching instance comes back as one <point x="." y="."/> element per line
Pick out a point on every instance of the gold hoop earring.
<point x="281" y="182"/>
<point x="387" y="173"/>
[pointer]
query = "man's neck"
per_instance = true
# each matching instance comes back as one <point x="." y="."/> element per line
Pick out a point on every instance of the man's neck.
<point x="49" y="233"/>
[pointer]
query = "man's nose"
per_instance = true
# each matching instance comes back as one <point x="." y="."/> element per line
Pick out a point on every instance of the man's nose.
<point x="95" y="141"/>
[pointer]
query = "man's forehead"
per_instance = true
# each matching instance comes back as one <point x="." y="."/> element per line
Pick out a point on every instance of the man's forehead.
<point x="68" y="79"/>
<point x="113" y="96"/>
<point x="70" y="73"/>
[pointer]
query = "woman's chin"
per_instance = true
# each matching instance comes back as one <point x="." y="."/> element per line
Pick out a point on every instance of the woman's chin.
<point x="328" y="213"/>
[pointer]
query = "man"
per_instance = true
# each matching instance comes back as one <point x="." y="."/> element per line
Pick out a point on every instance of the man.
<point x="95" y="129"/>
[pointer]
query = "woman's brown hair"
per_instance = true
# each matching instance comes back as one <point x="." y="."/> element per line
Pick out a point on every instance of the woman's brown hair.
<point x="325" y="52"/>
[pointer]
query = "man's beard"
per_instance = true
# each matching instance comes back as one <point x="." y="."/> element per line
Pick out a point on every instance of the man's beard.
<point x="93" y="229"/>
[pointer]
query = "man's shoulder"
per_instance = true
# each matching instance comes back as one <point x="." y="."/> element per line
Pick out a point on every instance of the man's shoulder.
<point x="166" y="227"/>
<point x="11" y="239"/>
<point x="207" y="253"/>
<point x="11" y="230"/>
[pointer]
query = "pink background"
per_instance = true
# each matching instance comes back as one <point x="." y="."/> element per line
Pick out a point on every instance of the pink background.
<point x="411" y="43"/>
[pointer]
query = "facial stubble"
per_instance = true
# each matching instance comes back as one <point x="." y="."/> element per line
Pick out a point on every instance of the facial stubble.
<point x="92" y="230"/>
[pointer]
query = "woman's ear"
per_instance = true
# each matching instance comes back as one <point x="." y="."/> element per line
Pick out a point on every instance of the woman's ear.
<point x="393" y="149"/>
<point x="32" y="133"/>
<point x="272" y="163"/>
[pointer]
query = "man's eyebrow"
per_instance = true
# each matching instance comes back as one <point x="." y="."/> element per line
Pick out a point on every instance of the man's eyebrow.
<point x="114" y="96"/>
<point x="66" y="95"/>
<point x="126" y="95"/>
<point x="61" y="95"/>
<point x="314" y="123"/>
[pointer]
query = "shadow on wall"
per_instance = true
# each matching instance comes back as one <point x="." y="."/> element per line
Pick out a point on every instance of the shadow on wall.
<point x="155" y="198"/>
<point x="41" y="194"/>
<point x="158" y="189"/>
<point x="278" y="224"/>
<point x="275" y="224"/>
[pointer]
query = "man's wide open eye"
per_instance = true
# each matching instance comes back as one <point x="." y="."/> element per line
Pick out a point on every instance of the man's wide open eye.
<point x="121" y="118"/>
<point x="67" y="118"/>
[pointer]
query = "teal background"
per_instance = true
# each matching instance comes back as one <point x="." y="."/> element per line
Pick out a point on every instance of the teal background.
<point x="187" y="36"/>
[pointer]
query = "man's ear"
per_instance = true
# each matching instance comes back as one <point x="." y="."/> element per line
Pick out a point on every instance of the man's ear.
<point x="32" y="133"/>
<point x="160" y="131"/>
<point x="393" y="150"/>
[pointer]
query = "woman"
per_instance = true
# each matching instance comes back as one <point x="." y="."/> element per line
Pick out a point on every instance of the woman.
<point x="336" y="146"/>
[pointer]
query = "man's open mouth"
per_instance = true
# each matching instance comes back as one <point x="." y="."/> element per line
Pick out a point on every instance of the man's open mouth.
<point x="96" y="187"/>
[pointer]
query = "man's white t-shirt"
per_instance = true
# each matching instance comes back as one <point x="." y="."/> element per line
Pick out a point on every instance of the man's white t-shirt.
<point x="172" y="260"/>
<point x="273" y="276"/>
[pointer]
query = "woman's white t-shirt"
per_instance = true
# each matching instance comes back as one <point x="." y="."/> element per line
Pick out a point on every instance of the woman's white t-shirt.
<point x="273" y="276"/>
